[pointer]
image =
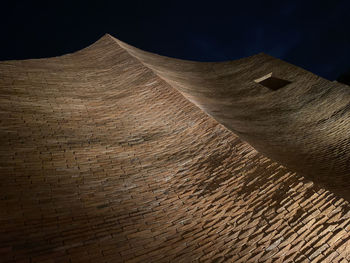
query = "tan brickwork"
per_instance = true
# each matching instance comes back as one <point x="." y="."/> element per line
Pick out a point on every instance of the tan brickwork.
<point x="102" y="160"/>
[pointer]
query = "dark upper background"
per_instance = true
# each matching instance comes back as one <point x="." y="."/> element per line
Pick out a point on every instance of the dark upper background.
<point x="314" y="35"/>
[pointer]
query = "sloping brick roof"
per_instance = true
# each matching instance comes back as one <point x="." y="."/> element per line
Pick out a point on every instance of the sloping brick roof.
<point x="103" y="160"/>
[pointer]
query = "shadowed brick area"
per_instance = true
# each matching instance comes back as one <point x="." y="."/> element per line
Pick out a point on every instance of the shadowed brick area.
<point x="102" y="161"/>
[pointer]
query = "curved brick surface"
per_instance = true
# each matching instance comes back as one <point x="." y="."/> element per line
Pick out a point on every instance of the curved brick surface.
<point x="101" y="160"/>
<point x="304" y="125"/>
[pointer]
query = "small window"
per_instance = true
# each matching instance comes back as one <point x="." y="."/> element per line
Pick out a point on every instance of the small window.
<point x="272" y="82"/>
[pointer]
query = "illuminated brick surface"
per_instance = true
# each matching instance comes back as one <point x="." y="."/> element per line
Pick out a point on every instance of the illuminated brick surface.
<point x="101" y="160"/>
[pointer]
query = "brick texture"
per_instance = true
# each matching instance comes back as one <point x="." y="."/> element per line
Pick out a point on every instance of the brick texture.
<point x="102" y="160"/>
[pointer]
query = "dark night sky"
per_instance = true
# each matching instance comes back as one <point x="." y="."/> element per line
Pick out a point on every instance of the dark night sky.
<point x="314" y="35"/>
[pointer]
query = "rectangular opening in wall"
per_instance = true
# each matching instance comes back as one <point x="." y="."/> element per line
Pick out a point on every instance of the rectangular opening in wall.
<point x="272" y="82"/>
